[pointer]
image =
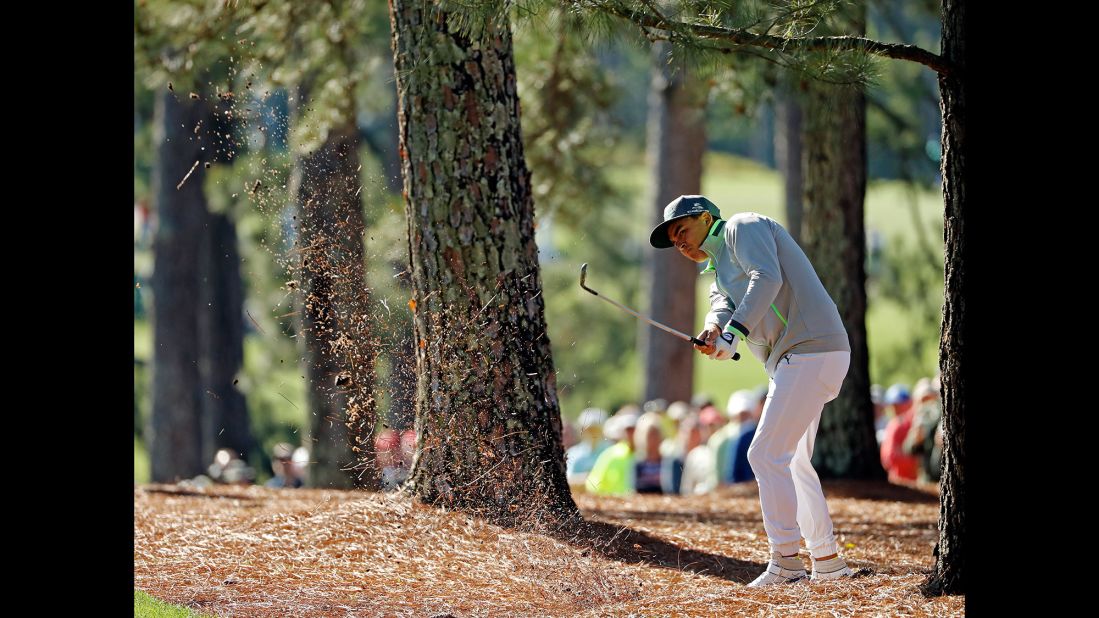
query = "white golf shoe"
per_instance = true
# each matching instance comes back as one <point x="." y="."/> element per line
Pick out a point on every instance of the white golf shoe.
<point x="780" y="570"/>
<point x="835" y="568"/>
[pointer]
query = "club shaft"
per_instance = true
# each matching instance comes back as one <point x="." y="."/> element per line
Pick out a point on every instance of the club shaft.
<point x="667" y="329"/>
<point x="653" y="322"/>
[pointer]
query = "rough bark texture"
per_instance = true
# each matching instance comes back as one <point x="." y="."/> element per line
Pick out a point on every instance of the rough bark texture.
<point x="676" y="143"/>
<point x="339" y="350"/>
<point x="225" y="421"/>
<point x="175" y="436"/>
<point x="948" y="577"/>
<point x="834" y="238"/>
<point x="486" y="402"/>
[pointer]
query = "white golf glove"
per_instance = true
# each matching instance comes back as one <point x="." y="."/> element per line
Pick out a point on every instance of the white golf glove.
<point x="724" y="346"/>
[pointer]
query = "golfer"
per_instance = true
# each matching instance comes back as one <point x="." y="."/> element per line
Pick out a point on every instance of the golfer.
<point x="767" y="293"/>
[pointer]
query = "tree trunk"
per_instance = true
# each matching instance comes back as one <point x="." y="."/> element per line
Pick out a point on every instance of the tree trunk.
<point x="788" y="150"/>
<point x="175" y="436"/>
<point x="676" y="143"/>
<point x="834" y="238"/>
<point x="221" y="309"/>
<point x="487" y="413"/>
<point x="948" y="575"/>
<point x="340" y="354"/>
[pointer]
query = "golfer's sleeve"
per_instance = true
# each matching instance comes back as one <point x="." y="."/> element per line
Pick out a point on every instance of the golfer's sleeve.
<point x="720" y="308"/>
<point x="753" y="246"/>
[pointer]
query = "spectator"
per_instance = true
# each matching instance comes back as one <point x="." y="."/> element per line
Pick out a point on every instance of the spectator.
<point x="647" y="438"/>
<point x="920" y="442"/>
<point x="741" y="469"/>
<point x="387" y="456"/>
<point x="673" y="450"/>
<point x="900" y="466"/>
<point x="613" y="472"/>
<point x="282" y="464"/>
<point x="580" y="459"/>
<point x="881" y="416"/>
<point x="699" y="468"/>
<point x="722" y="442"/>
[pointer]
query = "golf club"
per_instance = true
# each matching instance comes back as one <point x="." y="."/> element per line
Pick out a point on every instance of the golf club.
<point x="584" y="276"/>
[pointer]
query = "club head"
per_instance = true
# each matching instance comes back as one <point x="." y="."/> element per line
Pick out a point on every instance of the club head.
<point x="584" y="276"/>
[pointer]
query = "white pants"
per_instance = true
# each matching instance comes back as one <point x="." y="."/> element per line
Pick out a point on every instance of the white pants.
<point x="789" y="490"/>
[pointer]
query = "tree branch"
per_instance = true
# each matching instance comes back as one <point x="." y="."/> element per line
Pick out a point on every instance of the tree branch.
<point x="740" y="36"/>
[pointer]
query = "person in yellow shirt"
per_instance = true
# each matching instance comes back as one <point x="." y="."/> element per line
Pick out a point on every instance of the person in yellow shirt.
<point x="613" y="472"/>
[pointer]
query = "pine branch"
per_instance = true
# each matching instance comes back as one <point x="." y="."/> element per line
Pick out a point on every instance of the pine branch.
<point x="740" y="36"/>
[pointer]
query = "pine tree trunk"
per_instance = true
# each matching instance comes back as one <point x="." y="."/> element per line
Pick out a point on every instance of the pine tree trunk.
<point x="339" y="351"/>
<point x="175" y="438"/>
<point x="487" y="413"/>
<point x="221" y="309"/>
<point x="676" y="143"/>
<point x="948" y="576"/>
<point x="788" y="151"/>
<point x="834" y="238"/>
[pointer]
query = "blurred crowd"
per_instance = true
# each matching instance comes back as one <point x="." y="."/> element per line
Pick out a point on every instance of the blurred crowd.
<point x="693" y="448"/>
<point x="678" y="448"/>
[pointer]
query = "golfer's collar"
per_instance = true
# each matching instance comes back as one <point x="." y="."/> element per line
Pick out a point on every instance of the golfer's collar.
<point x="714" y="240"/>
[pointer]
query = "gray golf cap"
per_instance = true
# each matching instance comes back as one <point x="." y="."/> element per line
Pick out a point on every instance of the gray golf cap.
<point x="680" y="207"/>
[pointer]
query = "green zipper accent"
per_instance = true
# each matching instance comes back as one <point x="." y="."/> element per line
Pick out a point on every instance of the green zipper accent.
<point x="779" y="315"/>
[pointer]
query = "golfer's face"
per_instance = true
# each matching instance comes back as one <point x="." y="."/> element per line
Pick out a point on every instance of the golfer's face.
<point x="687" y="235"/>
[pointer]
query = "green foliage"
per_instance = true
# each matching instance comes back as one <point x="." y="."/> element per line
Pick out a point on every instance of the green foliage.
<point x="912" y="282"/>
<point x="186" y="45"/>
<point x="903" y="117"/>
<point x="567" y="131"/>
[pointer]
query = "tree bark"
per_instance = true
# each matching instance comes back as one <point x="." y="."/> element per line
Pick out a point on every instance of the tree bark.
<point x="834" y="238"/>
<point x="487" y="413"/>
<point x="948" y="576"/>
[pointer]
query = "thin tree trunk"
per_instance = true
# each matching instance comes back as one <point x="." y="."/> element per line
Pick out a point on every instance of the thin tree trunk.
<point x="788" y="151"/>
<point x="175" y="436"/>
<point x="221" y="307"/>
<point x="676" y="143"/>
<point x="339" y="350"/>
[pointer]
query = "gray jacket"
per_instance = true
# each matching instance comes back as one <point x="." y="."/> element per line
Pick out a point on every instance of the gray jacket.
<point x="783" y="307"/>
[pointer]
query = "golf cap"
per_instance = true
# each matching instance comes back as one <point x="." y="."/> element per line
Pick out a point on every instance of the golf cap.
<point x="616" y="426"/>
<point x="591" y="417"/>
<point x="680" y="207"/>
<point x="741" y="401"/>
<point x="898" y="393"/>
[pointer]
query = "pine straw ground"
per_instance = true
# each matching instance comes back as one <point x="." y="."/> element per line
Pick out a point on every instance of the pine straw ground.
<point x="250" y="551"/>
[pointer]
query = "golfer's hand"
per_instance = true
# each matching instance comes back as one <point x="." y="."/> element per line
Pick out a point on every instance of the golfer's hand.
<point x="710" y="335"/>
<point x="725" y="346"/>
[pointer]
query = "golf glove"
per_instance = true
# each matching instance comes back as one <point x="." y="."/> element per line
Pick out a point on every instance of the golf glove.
<point x="724" y="346"/>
